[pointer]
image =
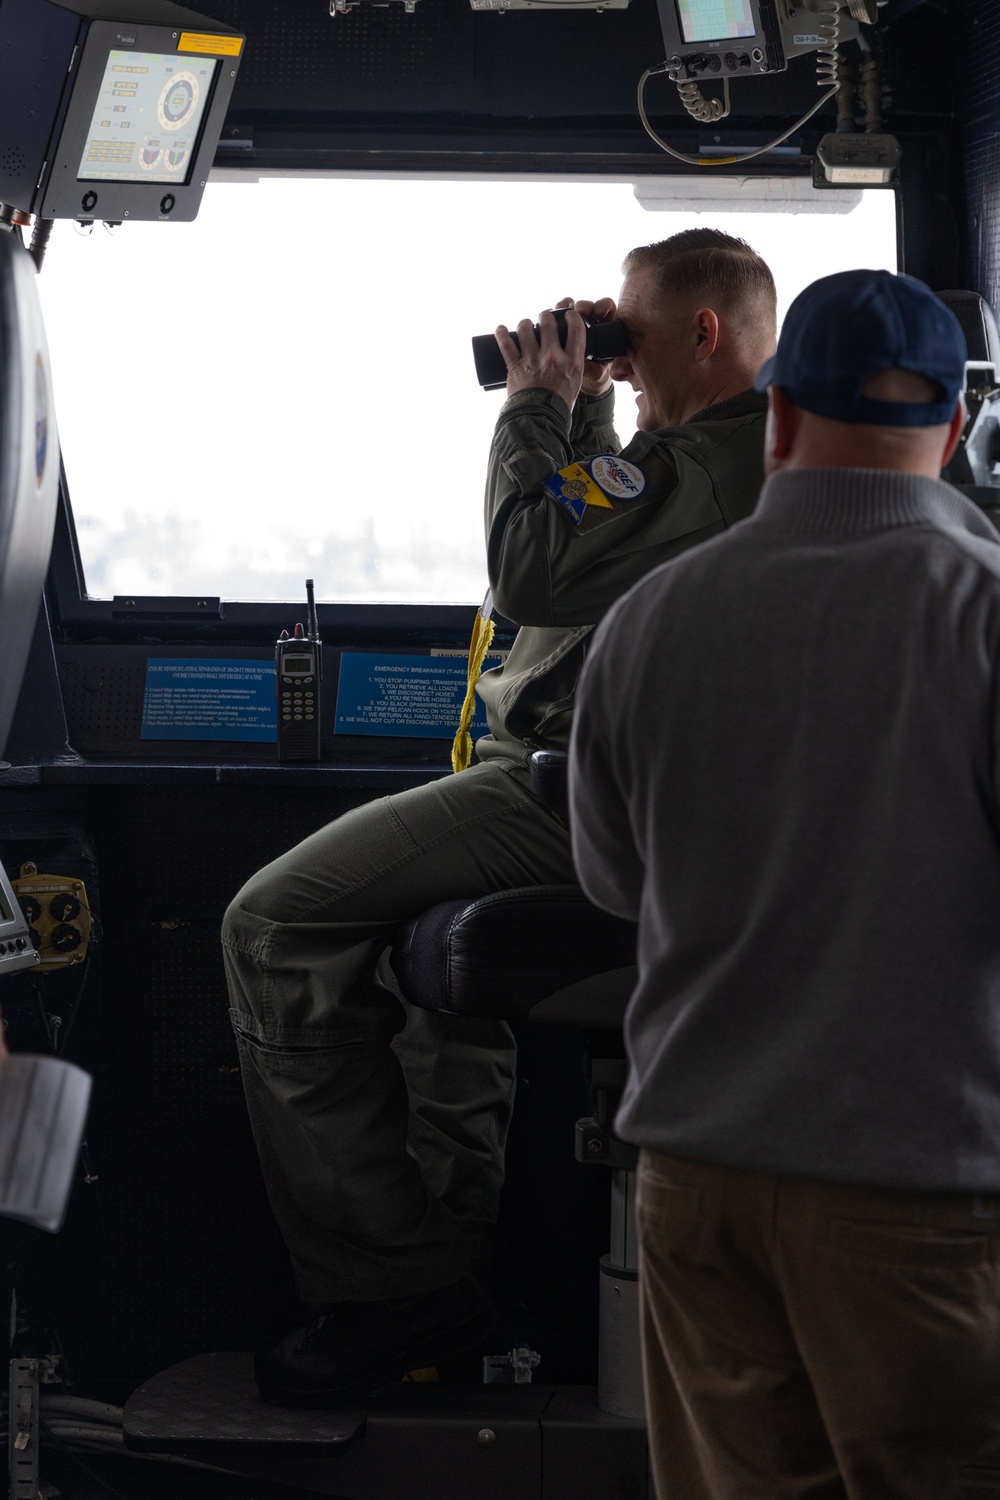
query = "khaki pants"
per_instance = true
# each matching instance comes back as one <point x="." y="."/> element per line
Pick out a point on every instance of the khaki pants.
<point x="380" y="1127"/>
<point x="811" y="1340"/>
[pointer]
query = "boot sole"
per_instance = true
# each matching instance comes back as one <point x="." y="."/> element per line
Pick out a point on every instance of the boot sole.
<point x="445" y="1344"/>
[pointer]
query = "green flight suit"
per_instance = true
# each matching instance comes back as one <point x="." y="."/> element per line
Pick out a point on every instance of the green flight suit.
<point x="381" y="1127"/>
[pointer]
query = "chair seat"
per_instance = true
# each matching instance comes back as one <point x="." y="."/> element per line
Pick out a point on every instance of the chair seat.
<point x="501" y="954"/>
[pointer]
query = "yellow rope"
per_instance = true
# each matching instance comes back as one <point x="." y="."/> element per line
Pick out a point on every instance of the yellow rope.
<point x="482" y="637"/>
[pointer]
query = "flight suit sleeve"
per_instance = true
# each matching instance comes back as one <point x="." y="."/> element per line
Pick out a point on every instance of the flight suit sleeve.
<point x="592" y="429"/>
<point x="547" y="569"/>
<point x="609" y="864"/>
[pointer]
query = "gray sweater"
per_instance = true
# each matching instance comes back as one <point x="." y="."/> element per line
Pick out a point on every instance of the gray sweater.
<point x="785" y="766"/>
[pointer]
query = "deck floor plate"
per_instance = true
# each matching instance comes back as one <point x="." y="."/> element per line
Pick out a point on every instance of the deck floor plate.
<point x="417" y="1441"/>
<point x="210" y="1405"/>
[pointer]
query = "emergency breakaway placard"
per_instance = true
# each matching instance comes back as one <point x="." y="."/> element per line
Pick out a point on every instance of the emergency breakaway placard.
<point x="421" y="696"/>
<point x="209" y="698"/>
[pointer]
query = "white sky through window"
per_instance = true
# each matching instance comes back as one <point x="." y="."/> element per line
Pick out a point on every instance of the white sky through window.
<point x="285" y="387"/>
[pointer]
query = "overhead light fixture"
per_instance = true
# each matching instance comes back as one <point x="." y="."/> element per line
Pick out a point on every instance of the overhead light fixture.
<point x="597" y="5"/>
<point x="855" y="160"/>
<point x="755" y="195"/>
<point x="341" y="7"/>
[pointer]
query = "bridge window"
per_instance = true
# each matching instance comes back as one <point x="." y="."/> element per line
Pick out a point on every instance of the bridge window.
<point x="284" y="387"/>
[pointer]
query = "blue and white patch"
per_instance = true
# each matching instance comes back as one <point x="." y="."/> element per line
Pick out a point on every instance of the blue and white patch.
<point x="617" y="477"/>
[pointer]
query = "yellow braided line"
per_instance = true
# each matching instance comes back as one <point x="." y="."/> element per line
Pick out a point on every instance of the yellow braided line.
<point x="482" y="636"/>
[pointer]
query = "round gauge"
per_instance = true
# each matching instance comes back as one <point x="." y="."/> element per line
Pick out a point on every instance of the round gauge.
<point x="65" y="907"/>
<point x="149" y="157"/>
<point x="65" y="938"/>
<point x="30" y="908"/>
<point x="178" y="101"/>
<point x="175" y="158"/>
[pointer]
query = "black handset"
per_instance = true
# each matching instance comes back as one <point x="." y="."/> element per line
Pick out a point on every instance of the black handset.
<point x="298" y="672"/>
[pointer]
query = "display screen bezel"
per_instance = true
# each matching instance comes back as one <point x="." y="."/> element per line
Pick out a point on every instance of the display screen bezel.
<point x="139" y="175"/>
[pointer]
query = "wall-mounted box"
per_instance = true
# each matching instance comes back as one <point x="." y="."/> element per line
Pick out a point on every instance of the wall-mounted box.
<point x="110" y="111"/>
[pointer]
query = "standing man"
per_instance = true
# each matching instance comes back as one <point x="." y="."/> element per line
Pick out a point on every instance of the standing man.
<point x="381" y="1128"/>
<point x="787" y="768"/>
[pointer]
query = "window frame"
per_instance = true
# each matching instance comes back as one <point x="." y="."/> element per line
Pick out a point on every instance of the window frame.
<point x="77" y="618"/>
<point x="162" y="617"/>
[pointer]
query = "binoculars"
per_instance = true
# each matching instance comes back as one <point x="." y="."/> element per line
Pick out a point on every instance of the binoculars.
<point x="604" y="341"/>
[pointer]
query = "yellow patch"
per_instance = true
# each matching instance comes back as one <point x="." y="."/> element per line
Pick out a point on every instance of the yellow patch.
<point x="575" y="490"/>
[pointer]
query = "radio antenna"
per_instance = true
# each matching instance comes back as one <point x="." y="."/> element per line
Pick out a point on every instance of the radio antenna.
<point x="313" y="623"/>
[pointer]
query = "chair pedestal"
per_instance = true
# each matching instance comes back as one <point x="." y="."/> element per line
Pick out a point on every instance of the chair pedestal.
<point x="619" y="1359"/>
<point x="503" y="955"/>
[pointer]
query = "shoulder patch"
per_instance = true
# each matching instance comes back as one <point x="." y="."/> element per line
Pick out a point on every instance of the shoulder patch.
<point x="596" y="482"/>
<point x="617" y="477"/>
<point x="575" y="490"/>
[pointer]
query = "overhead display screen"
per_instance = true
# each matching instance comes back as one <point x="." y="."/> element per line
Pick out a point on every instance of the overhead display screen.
<point x="715" y="20"/>
<point x="149" y="111"/>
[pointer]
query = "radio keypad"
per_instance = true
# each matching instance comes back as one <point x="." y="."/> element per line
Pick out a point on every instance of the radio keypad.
<point x="298" y="701"/>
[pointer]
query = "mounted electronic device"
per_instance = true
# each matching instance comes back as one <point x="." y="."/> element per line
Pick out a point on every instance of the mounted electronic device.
<point x="707" y="39"/>
<point x="16" y="948"/>
<point x="718" y="40"/>
<point x="110" y="109"/>
<point x="298" y="672"/>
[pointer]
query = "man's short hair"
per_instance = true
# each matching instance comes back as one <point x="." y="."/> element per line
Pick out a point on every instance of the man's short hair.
<point x="710" y="267"/>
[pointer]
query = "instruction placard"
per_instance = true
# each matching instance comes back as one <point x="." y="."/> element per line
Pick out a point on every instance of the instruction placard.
<point x="209" y="698"/>
<point x="403" y="695"/>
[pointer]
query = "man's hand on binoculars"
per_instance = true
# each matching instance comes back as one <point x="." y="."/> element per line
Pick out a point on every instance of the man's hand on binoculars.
<point x="543" y="361"/>
<point x="596" y="373"/>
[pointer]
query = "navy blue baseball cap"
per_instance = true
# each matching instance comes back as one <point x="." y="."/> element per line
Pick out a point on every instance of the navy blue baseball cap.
<point x="845" y="328"/>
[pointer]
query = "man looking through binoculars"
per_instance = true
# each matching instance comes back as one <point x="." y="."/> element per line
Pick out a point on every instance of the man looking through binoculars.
<point x="381" y="1127"/>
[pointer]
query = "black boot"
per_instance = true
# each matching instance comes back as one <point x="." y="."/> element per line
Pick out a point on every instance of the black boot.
<point x="355" y="1347"/>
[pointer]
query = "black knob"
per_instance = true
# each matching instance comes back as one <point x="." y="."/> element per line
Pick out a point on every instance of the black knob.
<point x="36" y="938"/>
<point x="89" y="202"/>
<point x="64" y="908"/>
<point x="31" y="908"/>
<point x="65" y="939"/>
<point x="167" y="202"/>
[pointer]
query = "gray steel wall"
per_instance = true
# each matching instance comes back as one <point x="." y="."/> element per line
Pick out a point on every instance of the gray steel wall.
<point x="976" y="91"/>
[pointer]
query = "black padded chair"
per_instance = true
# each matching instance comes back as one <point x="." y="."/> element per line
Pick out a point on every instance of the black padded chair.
<point x="978" y="452"/>
<point x="978" y="324"/>
<point x="546" y="953"/>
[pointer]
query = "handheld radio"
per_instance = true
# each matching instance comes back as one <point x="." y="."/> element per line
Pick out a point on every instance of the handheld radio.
<point x="298" y="671"/>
